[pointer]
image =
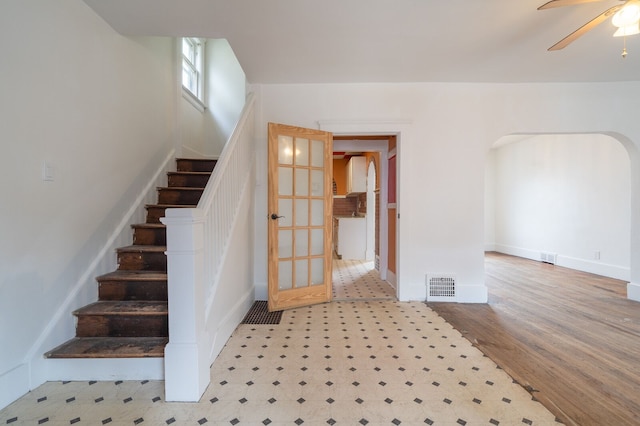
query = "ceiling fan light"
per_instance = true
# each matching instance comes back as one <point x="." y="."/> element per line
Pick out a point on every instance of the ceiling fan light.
<point x="628" y="15"/>
<point x="628" y="30"/>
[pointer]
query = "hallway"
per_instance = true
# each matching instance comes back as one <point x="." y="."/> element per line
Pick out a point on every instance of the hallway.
<point x="366" y="362"/>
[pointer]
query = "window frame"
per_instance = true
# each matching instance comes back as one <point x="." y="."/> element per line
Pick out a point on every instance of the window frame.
<point x="192" y="61"/>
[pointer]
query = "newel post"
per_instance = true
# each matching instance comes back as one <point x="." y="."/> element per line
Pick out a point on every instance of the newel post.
<point x="186" y="361"/>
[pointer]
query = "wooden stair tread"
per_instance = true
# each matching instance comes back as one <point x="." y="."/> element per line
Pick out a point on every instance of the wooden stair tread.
<point x="172" y="206"/>
<point x="139" y="248"/>
<point x="149" y="225"/>
<point x="180" y="188"/>
<point x="134" y="275"/>
<point x="189" y="173"/>
<point x="125" y="307"/>
<point x="110" y="347"/>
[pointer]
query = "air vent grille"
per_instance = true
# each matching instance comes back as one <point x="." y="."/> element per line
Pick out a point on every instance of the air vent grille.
<point x="549" y="257"/>
<point x="441" y="288"/>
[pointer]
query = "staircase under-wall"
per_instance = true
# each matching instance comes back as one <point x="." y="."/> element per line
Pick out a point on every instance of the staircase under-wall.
<point x="130" y="318"/>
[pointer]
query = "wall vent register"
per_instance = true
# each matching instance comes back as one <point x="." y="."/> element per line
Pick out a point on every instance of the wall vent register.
<point x="441" y="288"/>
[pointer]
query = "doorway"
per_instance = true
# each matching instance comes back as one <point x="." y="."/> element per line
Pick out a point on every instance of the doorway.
<point x="372" y="206"/>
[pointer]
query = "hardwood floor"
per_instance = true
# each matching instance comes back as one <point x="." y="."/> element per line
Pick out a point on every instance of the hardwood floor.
<point x="572" y="339"/>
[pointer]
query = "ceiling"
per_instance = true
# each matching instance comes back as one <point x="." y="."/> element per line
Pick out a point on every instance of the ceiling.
<point x="352" y="41"/>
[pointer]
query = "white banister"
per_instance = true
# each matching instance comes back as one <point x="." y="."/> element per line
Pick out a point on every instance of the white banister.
<point x="197" y="242"/>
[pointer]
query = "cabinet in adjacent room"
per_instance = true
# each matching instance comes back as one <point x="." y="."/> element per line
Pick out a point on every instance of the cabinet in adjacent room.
<point x="356" y="175"/>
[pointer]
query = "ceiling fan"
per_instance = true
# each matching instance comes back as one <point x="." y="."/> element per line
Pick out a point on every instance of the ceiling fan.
<point x="625" y="16"/>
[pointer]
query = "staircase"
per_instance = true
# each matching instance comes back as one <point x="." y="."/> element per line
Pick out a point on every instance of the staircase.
<point x="130" y="318"/>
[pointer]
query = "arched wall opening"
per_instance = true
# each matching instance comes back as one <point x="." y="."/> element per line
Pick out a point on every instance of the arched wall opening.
<point x="565" y="198"/>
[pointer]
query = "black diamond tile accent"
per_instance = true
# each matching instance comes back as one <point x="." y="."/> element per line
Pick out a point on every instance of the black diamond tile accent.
<point x="363" y="421"/>
<point x="462" y="383"/>
<point x="42" y="421"/>
<point x="73" y="398"/>
<point x="388" y="400"/>
<point x="299" y="421"/>
<point x="138" y="421"/>
<point x="300" y="400"/>
<point x="494" y="422"/>
<point x="396" y="422"/>
<point x="331" y="422"/>
<point x="428" y="421"/>
<point x="276" y="383"/>
<point x="359" y="401"/>
<point x="489" y="382"/>
<point x="44" y="398"/>
<point x="329" y="383"/>
<point x="302" y="383"/>
<point x="527" y="421"/>
<point x="417" y="401"/>
<point x="12" y="420"/>
<point x="118" y="382"/>
<point x="461" y="422"/>
<point x="266" y="421"/>
<point x="107" y="421"/>
<point x="382" y="383"/>
<point x="224" y="382"/>
<point x="214" y="400"/>
<point x="126" y="400"/>
<point x="408" y="383"/>
<point x="355" y="383"/>
<point x="74" y="421"/>
<point x="507" y="400"/>
<point x="435" y="384"/>
<point x="271" y="400"/>
<point x="204" y="420"/>
<point x="477" y="401"/>
<point x="234" y="421"/>
<point x="242" y="400"/>
<point x="171" y="420"/>
<point x="100" y="399"/>
<point x="331" y="400"/>
<point x="447" y="401"/>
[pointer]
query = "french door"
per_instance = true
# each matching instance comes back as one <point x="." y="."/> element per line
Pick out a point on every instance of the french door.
<point x="300" y="216"/>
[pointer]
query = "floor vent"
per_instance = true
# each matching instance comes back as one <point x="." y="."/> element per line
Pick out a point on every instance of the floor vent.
<point x="441" y="288"/>
<point x="259" y="314"/>
<point x="549" y="258"/>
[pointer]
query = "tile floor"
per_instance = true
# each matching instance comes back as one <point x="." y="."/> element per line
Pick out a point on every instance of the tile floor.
<point x="358" y="362"/>
<point x="356" y="280"/>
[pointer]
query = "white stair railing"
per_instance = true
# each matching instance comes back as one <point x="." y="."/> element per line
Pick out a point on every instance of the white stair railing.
<point x="197" y="243"/>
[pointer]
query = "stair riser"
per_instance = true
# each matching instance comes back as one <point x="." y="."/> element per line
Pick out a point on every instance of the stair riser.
<point x="132" y="290"/>
<point x="142" y="261"/>
<point x="154" y="214"/>
<point x="122" y="325"/>
<point x="186" y="165"/>
<point x="188" y="181"/>
<point x="178" y="196"/>
<point x="150" y="236"/>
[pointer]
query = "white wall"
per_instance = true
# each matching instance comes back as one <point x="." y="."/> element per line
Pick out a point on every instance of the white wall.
<point x="203" y="133"/>
<point x="564" y="194"/>
<point x="446" y="131"/>
<point x="100" y="108"/>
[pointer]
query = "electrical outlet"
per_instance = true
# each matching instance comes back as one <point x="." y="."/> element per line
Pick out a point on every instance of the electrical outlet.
<point x="596" y="255"/>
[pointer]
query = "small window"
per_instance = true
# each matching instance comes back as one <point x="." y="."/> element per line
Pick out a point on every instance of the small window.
<point x="192" y="66"/>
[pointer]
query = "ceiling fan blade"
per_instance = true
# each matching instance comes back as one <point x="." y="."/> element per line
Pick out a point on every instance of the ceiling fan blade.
<point x="585" y="28"/>
<point x="560" y="3"/>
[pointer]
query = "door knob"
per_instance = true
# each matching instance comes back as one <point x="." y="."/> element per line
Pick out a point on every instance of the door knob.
<point x="274" y="216"/>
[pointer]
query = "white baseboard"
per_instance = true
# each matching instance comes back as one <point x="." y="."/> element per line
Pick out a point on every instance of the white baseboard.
<point x="585" y="265"/>
<point x="105" y="369"/>
<point x="633" y="291"/>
